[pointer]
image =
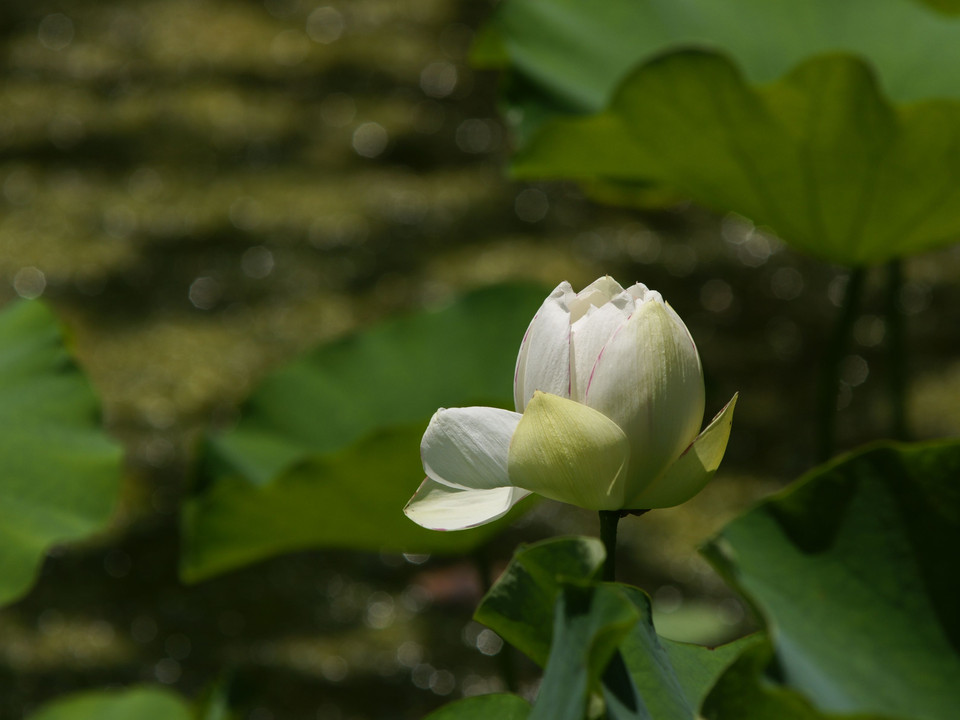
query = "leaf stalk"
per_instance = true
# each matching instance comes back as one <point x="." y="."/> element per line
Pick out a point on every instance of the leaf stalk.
<point x="831" y="363"/>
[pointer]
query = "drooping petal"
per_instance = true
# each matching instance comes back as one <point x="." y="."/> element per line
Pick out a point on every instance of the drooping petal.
<point x="467" y="447"/>
<point x="440" y="507"/>
<point x="568" y="452"/>
<point x="693" y="469"/>
<point x="544" y="359"/>
<point x="649" y="381"/>
<point x="588" y="335"/>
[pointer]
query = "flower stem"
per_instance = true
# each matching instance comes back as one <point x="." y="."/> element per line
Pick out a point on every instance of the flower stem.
<point x="608" y="534"/>
<point x="830" y="369"/>
<point x="896" y="353"/>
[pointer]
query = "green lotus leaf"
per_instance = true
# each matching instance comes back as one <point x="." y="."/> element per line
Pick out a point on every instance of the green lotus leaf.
<point x="851" y="570"/>
<point x="143" y="703"/>
<point x="59" y="472"/>
<point x="820" y="157"/>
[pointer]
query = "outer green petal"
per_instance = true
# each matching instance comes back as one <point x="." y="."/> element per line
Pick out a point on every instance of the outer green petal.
<point x="440" y="507"/>
<point x="693" y="469"/>
<point x="569" y="452"/>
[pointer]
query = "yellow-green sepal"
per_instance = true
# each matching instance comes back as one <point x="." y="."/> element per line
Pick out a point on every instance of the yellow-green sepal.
<point x="569" y="452"/>
<point x="690" y="473"/>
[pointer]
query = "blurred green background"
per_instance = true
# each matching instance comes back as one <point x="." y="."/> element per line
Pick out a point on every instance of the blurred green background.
<point x="203" y="190"/>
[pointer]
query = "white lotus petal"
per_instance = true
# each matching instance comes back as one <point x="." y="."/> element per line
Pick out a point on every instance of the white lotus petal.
<point x="467" y="447"/>
<point x="678" y="322"/>
<point x="544" y="360"/>
<point x="606" y="284"/>
<point x="597" y="293"/>
<point x="693" y="469"/>
<point x="638" y="291"/>
<point x="568" y="452"/>
<point x="648" y="380"/>
<point x="440" y="507"/>
<point x="588" y="335"/>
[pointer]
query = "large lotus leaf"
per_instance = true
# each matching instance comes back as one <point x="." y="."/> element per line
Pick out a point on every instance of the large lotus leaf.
<point x="136" y="704"/>
<point x="59" y="472"/>
<point x="745" y="692"/>
<point x="820" y="157"/>
<point x="483" y="707"/>
<point x="326" y="453"/>
<point x="858" y="173"/>
<point x="854" y="572"/>
<point x="671" y="678"/>
<point x="951" y="7"/>
<point x="350" y="499"/>
<point x="569" y="55"/>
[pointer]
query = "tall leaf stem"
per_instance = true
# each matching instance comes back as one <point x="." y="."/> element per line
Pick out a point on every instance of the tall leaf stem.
<point x="896" y="353"/>
<point x="609" y="519"/>
<point x="832" y="360"/>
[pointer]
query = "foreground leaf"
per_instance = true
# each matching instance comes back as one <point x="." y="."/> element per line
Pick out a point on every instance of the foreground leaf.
<point x="820" y="157"/>
<point x="590" y="622"/>
<point x="849" y="569"/>
<point x="59" y="472"/>
<point x="521" y="603"/>
<point x="139" y="703"/>
<point x="671" y="678"/>
<point x="326" y="453"/>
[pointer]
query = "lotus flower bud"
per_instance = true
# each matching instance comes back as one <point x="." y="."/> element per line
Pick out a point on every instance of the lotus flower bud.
<point x="609" y="396"/>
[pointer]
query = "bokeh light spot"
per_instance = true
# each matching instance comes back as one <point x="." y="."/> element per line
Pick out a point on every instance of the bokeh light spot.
<point x="55" y="32"/>
<point x="531" y="205"/>
<point x="325" y="25"/>
<point x="370" y="140"/>
<point x="29" y="282"/>
<point x="439" y="79"/>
